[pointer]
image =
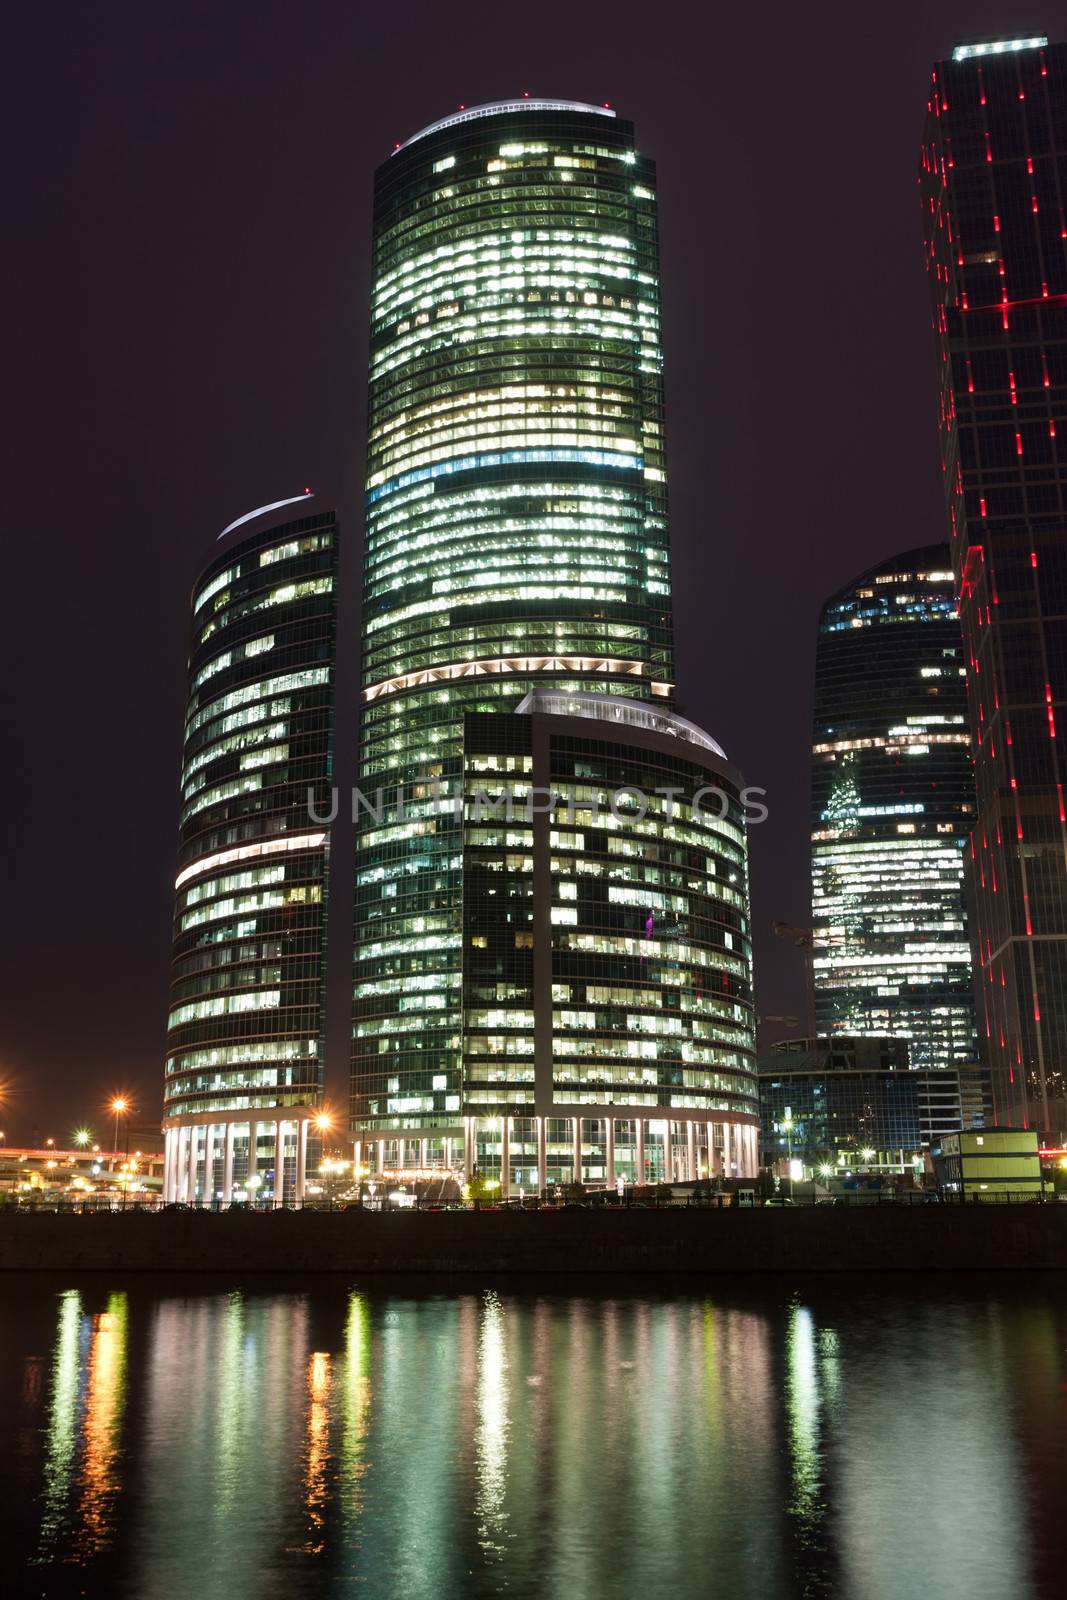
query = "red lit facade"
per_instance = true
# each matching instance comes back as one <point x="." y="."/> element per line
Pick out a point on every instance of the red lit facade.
<point x="993" y="188"/>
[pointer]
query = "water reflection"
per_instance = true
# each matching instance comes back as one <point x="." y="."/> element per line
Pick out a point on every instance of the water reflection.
<point x="622" y="1443"/>
<point x="62" y="1426"/>
<point x="492" y="1434"/>
<point x="317" y="1450"/>
<point x="100" y="1467"/>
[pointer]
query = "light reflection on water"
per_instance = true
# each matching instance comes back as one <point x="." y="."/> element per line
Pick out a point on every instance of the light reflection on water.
<point x="869" y="1442"/>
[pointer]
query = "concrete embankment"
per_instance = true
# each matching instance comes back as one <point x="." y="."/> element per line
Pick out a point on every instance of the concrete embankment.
<point x="830" y="1239"/>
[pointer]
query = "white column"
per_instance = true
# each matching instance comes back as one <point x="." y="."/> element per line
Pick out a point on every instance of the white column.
<point x="357" y="1153"/>
<point x="302" y="1159"/>
<point x="381" y="1157"/>
<point x="609" y="1153"/>
<point x="183" y="1164"/>
<point x="424" y="1154"/>
<point x="209" y="1164"/>
<point x="726" y="1130"/>
<point x="691" y="1151"/>
<point x="640" y="1150"/>
<point x="227" y="1162"/>
<point x="168" y="1164"/>
<point x="577" y="1149"/>
<point x="279" y="1162"/>
<point x="470" y="1127"/>
<point x="542" y="1154"/>
<point x="448" y="1155"/>
<point x="253" y="1151"/>
<point x="505" y="1157"/>
<point x="668" y="1152"/>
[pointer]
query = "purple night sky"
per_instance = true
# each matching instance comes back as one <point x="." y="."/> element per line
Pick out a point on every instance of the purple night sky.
<point x="190" y="240"/>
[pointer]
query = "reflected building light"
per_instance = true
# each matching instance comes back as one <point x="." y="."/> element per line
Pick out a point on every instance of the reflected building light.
<point x="317" y="1450"/>
<point x="491" y="1435"/>
<point x="357" y="1398"/>
<point x="802" y="1412"/>
<point x="62" y="1425"/>
<point x="100" y="1475"/>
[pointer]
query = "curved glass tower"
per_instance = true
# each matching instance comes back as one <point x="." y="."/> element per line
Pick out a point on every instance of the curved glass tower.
<point x="244" y="1042"/>
<point x="516" y="534"/>
<point x="892" y="806"/>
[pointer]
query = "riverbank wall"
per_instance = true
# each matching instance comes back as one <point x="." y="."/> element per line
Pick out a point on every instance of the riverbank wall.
<point x="609" y="1240"/>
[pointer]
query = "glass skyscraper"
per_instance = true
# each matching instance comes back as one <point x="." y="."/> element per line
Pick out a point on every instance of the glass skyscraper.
<point x="516" y="541"/>
<point x="892" y="809"/>
<point x="244" y="1067"/>
<point x="993" y="189"/>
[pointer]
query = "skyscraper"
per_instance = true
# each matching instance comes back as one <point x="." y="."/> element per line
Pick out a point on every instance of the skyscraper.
<point x="892" y="809"/>
<point x="993" y="187"/>
<point x="516" y="543"/>
<point x="244" y="1067"/>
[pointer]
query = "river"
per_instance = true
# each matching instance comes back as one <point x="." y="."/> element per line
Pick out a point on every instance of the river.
<point x="862" y="1437"/>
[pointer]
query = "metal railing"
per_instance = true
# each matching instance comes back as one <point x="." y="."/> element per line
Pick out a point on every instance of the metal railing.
<point x="104" y="1205"/>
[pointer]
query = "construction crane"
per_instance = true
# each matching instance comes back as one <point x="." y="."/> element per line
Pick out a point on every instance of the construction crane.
<point x="803" y="939"/>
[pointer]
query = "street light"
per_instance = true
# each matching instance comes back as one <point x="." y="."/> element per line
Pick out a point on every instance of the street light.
<point x="120" y="1106"/>
<point x="82" y="1137"/>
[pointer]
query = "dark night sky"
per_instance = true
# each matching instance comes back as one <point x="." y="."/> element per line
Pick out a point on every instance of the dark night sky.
<point x="188" y="307"/>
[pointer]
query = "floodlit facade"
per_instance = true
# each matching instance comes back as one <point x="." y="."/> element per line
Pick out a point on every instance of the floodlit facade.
<point x="516" y="542"/>
<point x="244" y="1067"/>
<point x="892" y="808"/>
<point x="992" y="191"/>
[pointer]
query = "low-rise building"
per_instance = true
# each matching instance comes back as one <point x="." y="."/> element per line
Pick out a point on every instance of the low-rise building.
<point x="991" y="1165"/>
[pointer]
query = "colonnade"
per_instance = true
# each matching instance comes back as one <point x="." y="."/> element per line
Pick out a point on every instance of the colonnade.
<point x="188" y="1147"/>
<point x="650" y="1143"/>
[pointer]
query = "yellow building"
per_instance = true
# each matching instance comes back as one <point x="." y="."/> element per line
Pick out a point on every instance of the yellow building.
<point x="992" y="1164"/>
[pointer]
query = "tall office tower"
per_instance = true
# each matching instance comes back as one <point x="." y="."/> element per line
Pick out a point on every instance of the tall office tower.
<point x="516" y="541"/>
<point x="892" y="808"/>
<point x="993" y="183"/>
<point x="244" y="1066"/>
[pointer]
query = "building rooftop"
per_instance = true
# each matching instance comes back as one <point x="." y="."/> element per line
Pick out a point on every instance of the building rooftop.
<point x="619" y="711"/>
<point x="495" y="107"/>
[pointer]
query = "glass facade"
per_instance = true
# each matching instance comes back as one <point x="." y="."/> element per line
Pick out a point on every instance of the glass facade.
<point x="892" y="809"/>
<point x="247" y="978"/>
<point x="605" y="967"/>
<point x="516" y="525"/>
<point x="831" y="1098"/>
<point x="993" y="187"/>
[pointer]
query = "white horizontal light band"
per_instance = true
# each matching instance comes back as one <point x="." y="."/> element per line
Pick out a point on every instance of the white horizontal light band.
<point x="998" y="47"/>
<point x="494" y="108"/>
<point x="248" y="852"/>
<point x="495" y="664"/>
<point x="275" y="505"/>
